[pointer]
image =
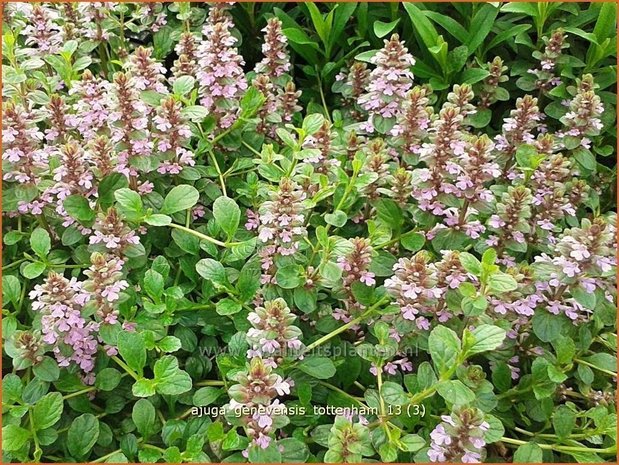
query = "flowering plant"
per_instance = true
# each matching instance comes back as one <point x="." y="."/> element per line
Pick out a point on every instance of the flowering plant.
<point x="247" y="233"/>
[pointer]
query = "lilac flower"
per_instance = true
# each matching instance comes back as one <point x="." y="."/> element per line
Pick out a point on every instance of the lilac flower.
<point x="42" y="31"/>
<point x="63" y="327"/>
<point x="273" y="332"/>
<point x="105" y="284"/>
<point x="92" y="107"/>
<point x="388" y="82"/>
<point x="22" y="145"/>
<point x="110" y="231"/>
<point x="414" y="286"/>
<point x="220" y="73"/>
<point x="585" y="109"/>
<point x="186" y="49"/>
<point x="147" y="73"/>
<point x="545" y="74"/>
<point x="489" y="93"/>
<point x="414" y="120"/>
<point x="459" y="437"/>
<point x="276" y="61"/>
<point x="172" y="134"/>
<point x="281" y="222"/>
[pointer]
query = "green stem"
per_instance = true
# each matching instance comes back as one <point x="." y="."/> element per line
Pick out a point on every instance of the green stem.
<point x="79" y="393"/>
<point x="608" y="372"/>
<point x="219" y="173"/>
<point x="210" y="382"/>
<point x="395" y="240"/>
<point x="348" y="325"/>
<point x="13" y="265"/>
<point x="322" y="97"/>
<point x="203" y="236"/>
<point x="253" y="150"/>
<point x="125" y="367"/>
<point x="37" y="449"/>
<point x="560" y="448"/>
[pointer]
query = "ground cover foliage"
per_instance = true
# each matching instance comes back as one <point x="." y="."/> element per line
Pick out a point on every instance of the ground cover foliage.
<point x="280" y="232"/>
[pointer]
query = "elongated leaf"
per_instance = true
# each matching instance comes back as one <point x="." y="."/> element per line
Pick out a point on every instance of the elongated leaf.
<point x="422" y="25"/>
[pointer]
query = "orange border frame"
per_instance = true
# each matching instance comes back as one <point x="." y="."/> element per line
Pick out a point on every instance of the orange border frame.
<point x="2" y="2"/>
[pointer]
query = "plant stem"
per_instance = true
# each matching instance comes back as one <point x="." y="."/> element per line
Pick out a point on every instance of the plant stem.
<point x="560" y="448"/>
<point x="210" y="382"/>
<point x="219" y="173"/>
<point x="348" y="325"/>
<point x="37" y="449"/>
<point x="12" y="265"/>
<point x="322" y="97"/>
<point x="203" y="236"/>
<point x="125" y="367"/>
<point x="608" y="372"/>
<point x="79" y="393"/>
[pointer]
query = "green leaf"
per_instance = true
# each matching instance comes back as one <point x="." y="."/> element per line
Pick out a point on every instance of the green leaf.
<point x="107" y="187"/>
<point x="313" y="122"/>
<point x="585" y="159"/>
<point x="271" y="454"/>
<point x="206" y="396"/>
<point x="481" y="25"/>
<point x="11" y="289"/>
<point x="183" y="85"/>
<point x="393" y="393"/>
<point x="293" y="450"/>
<point x="129" y="201"/>
<point x="411" y="443"/>
<point x="499" y="282"/>
<point x="213" y="271"/>
<point x="47" y="370"/>
<point x="422" y="25"/>
<point x="486" y="338"/>
<point x="289" y="277"/>
<point x="529" y="453"/>
<point x="153" y="284"/>
<point x="144" y="417"/>
<point x="317" y="367"/>
<point x="78" y="207"/>
<point x="83" y="434"/>
<point x="251" y="102"/>
<point x="108" y="379"/>
<point x="144" y="388"/>
<point x="47" y="410"/>
<point x="413" y="242"/>
<point x="195" y="113"/>
<point x="227" y="215"/>
<point x="33" y="270"/>
<point x="470" y="263"/>
<point x="157" y="219"/>
<point x="381" y="29"/>
<point x="132" y="348"/>
<point x="169" y="378"/>
<point x="227" y="306"/>
<point x="338" y="218"/>
<point x="40" y="242"/>
<point x="180" y="198"/>
<point x="455" y="392"/>
<point x="445" y="347"/>
<point x="563" y="421"/>
<point x="14" y="437"/>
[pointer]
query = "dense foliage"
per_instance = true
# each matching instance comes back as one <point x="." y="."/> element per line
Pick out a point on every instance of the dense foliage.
<point x="309" y="232"/>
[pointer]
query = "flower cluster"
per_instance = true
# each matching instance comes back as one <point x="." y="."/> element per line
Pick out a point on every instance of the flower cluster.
<point x="545" y="74"/>
<point x="281" y="225"/>
<point x="459" y="437"/>
<point x="389" y="82"/>
<point x="273" y="333"/>
<point x="60" y="302"/>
